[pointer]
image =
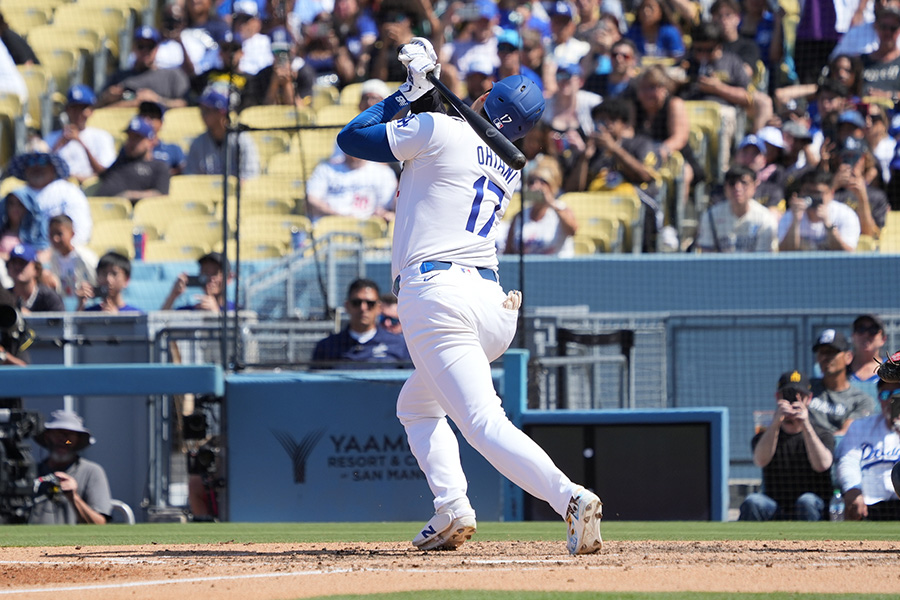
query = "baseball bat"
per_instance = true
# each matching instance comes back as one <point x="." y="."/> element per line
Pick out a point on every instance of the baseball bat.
<point x="495" y="140"/>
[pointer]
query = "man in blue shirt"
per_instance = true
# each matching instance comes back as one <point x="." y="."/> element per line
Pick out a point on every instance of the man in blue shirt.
<point x="362" y="340"/>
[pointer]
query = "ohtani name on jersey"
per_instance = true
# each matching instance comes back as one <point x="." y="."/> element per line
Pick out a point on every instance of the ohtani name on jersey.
<point x="487" y="158"/>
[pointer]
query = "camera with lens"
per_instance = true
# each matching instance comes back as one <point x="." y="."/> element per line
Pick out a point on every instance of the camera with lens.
<point x="11" y="321"/>
<point x="100" y="291"/>
<point x="812" y="201"/>
<point x="18" y="470"/>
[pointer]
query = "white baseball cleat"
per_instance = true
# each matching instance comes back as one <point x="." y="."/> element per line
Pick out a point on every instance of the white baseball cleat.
<point x="445" y="531"/>
<point x="583" y="520"/>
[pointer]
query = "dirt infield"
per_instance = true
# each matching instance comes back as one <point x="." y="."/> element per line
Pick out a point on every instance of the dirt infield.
<point x="232" y="571"/>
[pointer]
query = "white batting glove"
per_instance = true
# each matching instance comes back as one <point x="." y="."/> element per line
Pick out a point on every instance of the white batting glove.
<point x="513" y="300"/>
<point x="414" y="48"/>
<point x="416" y="84"/>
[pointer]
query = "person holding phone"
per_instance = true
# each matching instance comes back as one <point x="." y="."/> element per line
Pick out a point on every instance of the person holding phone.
<point x="814" y="221"/>
<point x="210" y="280"/>
<point x="795" y="455"/>
<point x="866" y="457"/>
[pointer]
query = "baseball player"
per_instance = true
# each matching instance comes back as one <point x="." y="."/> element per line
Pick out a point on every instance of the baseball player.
<point x="456" y="318"/>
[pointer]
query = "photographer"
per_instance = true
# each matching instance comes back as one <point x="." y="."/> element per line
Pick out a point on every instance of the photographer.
<point x="866" y="456"/>
<point x="211" y="280"/>
<point x="82" y="494"/>
<point x="814" y="221"/>
<point x="795" y="456"/>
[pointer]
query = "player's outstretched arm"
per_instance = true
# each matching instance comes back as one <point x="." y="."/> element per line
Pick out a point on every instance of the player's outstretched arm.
<point x="366" y="135"/>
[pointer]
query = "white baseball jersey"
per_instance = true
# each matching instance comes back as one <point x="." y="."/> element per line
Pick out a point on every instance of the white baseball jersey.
<point x="453" y="217"/>
<point x="354" y="192"/>
<point x="101" y="144"/>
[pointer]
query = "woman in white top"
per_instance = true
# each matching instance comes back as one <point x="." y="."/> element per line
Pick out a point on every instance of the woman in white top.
<point x="548" y="224"/>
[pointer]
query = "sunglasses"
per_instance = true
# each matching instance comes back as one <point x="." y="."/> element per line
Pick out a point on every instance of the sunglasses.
<point x="506" y="48"/>
<point x="388" y="321"/>
<point x="145" y="47"/>
<point x="871" y="329"/>
<point x="888" y="394"/>
<point x="625" y="55"/>
<point x="357" y="302"/>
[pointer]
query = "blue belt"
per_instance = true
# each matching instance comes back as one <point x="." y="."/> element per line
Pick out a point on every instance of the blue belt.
<point x="440" y="265"/>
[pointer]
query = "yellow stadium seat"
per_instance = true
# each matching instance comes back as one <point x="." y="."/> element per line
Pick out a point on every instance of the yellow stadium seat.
<point x="705" y="116"/>
<point x="40" y="91"/>
<point x="270" y="143"/>
<point x="65" y="66"/>
<point x="164" y="251"/>
<point x="370" y="229"/>
<point x="113" y="119"/>
<point x="604" y="232"/>
<point x="312" y="146"/>
<point x="336" y="114"/>
<point x="47" y="5"/>
<point x="271" y="116"/>
<point x="351" y="94"/>
<point x="253" y="250"/>
<point x="108" y="20"/>
<point x="889" y="241"/>
<point x="109" y="208"/>
<point x="22" y="19"/>
<point x="324" y="95"/>
<point x="621" y="204"/>
<point x="203" y="230"/>
<point x="275" y="229"/>
<point x="181" y="125"/>
<point x="867" y="243"/>
<point x="287" y="164"/>
<point x="200" y="187"/>
<point x="113" y="235"/>
<point x="12" y="126"/>
<point x="9" y="184"/>
<point x="161" y="211"/>
<point x="584" y="245"/>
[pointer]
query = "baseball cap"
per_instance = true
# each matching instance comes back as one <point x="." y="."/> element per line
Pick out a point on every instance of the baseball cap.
<point x="81" y="94"/>
<point x="561" y="9"/>
<point x="376" y="87"/>
<point x="794" y="380"/>
<point x="833" y="338"/>
<point x="147" y="33"/>
<point x="753" y="140"/>
<point x="565" y="71"/>
<point x="509" y="37"/>
<point x="142" y="127"/>
<point x="852" y="116"/>
<point x="245" y="7"/>
<point x="216" y="257"/>
<point x="772" y="136"/>
<point x="281" y="40"/>
<point x="213" y="99"/>
<point x="482" y="65"/>
<point x="229" y="37"/>
<point x="860" y="321"/>
<point x="796" y="130"/>
<point x="24" y="252"/>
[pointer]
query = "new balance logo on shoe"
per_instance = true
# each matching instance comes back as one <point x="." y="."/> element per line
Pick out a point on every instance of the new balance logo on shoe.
<point x="428" y="532"/>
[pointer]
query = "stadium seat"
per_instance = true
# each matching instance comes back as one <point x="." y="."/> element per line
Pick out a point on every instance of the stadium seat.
<point x="65" y="66"/>
<point x="113" y="235"/>
<point x="889" y="242"/>
<point x="270" y="143"/>
<point x="205" y="230"/>
<point x="867" y="243"/>
<point x="705" y="116"/>
<point x="324" y="95"/>
<point x="273" y="116"/>
<point x="161" y="211"/>
<point x="109" y="208"/>
<point x="9" y="184"/>
<point x="287" y="164"/>
<point x="22" y="19"/>
<point x="165" y="251"/>
<point x="253" y="250"/>
<point x="86" y="40"/>
<point x="113" y="23"/>
<point x="621" y="204"/>
<point x="12" y="126"/>
<point x="584" y="245"/>
<point x="313" y="146"/>
<point x="274" y="229"/>
<point x="370" y="229"/>
<point x="606" y="233"/>
<point x="41" y="87"/>
<point x="200" y="187"/>
<point x="181" y="125"/>
<point x="351" y="94"/>
<point x="336" y="114"/>
<point x="114" y="120"/>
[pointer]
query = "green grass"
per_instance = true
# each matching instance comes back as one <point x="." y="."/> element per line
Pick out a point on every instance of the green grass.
<point x="212" y="533"/>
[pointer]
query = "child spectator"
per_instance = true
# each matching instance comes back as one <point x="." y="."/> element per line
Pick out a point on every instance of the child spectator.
<point x="26" y="272"/>
<point x="70" y="264"/>
<point x="113" y="275"/>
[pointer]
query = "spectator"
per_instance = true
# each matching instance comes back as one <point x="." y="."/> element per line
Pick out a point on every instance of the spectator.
<point x="70" y="264"/>
<point x="727" y="15"/>
<point x="653" y="32"/>
<point x="372" y="92"/>
<point x="145" y="80"/>
<point x="547" y="225"/>
<point x="880" y="66"/>
<point x="257" y="48"/>
<point x="508" y="44"/>
<point x="228" y="79"/>
<point x="389" y="318"/>
<point x="766" y="28"/>
<point x="817" y="35"/>
<point x="136" y="174"/>
<point x="395" y="30"/>
<point x="85" y="494"/>
<point x="26" y="272"/>
<point x="851" y="165"/>
<point x="356" y="30"/>
<point x="882" y="145"/>
<point x="831" y="101"/>
<point x="598" y="63"/>
<point x="88" y="151"/>
<point x="171" y="154"/>
<point x="813" y="221"/>
<point x="866" y="456"/>
<point x="203" y="27"/>
<point x="211" y="281"/>
<point x="14" y="343"/>
<point x="798" y="153"/>
<point x="11" y="80"/>
<point x="795" y="455"/>
<point x="206" y="155"/>
<point x="741" y="224"/>
<point x="617" y="158"/>
<point x="565" y="48"/>
<point x="180" y="48"/>
<point x="22" y="222"/>
<point x="286" y="85"/>
<point x="478" y="80"/>
<point x="113" y="275"/>
<point x="620" y="81"/>
<point x="534" y="56"/>
<point x="362" y="340"/>
<point x="45" y="175"/>
<point x="835" y="402"/>
<point x="19" y="50"/>
<point x="719" y="76"/>
<point x="568" y="114"/>
<point x="346" y="185"/>
<point x="862" y="38"/>
<point x="868" y="339"/>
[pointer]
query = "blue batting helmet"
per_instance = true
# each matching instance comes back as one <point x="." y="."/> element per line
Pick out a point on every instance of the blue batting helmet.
<point x="514" y="105"/>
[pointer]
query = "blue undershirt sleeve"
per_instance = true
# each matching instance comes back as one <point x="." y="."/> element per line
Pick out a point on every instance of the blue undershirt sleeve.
<point x="366" y="135"/>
